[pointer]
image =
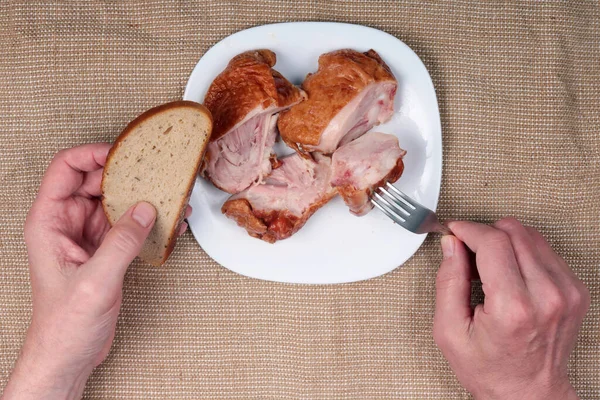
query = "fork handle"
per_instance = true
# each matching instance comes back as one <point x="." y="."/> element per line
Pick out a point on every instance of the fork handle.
<point x="433" y="224"/>
<point x="443" y="229"/>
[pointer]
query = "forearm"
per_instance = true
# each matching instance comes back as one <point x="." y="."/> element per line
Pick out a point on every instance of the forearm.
<point x="27" y="387"/>
<point x="36" y="376"/>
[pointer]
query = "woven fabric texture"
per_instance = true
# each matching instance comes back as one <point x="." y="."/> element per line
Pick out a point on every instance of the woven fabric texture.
<point x="518" y="85"/>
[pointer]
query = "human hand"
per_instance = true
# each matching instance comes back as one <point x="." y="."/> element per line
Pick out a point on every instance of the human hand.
<point x="77" y="263"/>
<point x="517" y="343"/>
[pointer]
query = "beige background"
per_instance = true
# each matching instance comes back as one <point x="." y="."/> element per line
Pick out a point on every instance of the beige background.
<point x="518" y="86"/>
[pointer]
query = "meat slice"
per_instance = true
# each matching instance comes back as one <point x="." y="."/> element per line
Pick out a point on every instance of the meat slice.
<point x="361" y="166"/>
<point x="349" y="94"/>
<point x="244" y="101"/>
<point x="279" y="207"/>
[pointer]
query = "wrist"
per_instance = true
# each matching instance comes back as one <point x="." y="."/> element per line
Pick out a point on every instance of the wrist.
<point x="560" y="391"/>
<point x="40" y="375"/>
<point x="557" y="391"/>
<point x="571" y="394"/>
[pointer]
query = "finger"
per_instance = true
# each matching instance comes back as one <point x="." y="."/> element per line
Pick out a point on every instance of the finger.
<point x="535" y="274"/>
<point x="549" y="257"/>
<point x="66" y="171"/>
<point x="573" y="288"/>
<point x="473" y="265"/>
<point x="188" y="211"/>
<point x="96" y="227"/>
<point x="453" y="312"/>
<point x="472" y="260"/>
<point x="91" y="185"/>
<point x="122" y="244"/>
<point x="495" y="258"/>
<point x="182" y="228"/>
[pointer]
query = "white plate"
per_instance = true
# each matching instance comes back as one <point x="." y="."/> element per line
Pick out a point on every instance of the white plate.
<point x="334" y="246"/>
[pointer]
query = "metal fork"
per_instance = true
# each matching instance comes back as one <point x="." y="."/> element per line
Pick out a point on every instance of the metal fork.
<point x="406" y="212"/>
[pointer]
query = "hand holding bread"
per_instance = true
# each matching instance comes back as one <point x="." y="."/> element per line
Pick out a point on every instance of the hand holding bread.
<point x="77" y="263"/>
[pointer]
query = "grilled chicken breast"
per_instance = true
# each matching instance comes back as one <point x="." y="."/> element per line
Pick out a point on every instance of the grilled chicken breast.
<point x="279" y="207"/>
<point x="349" y="94"/>
<point x="361" y="166"/>
<point x="244" y="101"/>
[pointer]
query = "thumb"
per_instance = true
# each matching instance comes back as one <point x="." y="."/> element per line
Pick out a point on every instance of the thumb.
<point x="453" y="291"/>
<point x="123" y="243"/>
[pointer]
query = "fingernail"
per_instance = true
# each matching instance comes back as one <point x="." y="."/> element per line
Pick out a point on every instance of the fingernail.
<point x="144" y="214"/>
<point x="182" y="228"/>
<point x="447" y="246"/>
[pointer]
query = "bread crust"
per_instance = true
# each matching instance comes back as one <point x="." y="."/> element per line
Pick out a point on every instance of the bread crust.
<point x="190" y="184"/>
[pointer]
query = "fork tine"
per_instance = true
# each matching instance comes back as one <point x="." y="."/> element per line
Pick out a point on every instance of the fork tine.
<point x="401" y="196"/>
<point x="418" y="219"/>
<point x="392" y="215"/>
<point x="395" y="203"/>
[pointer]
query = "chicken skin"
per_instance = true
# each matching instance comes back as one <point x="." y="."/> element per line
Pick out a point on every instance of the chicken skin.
<point x="245" y="100"/>
<point x="349" y="94"/>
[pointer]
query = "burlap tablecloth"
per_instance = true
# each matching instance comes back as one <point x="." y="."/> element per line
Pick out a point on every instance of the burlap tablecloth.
<point x="518" y="85"/>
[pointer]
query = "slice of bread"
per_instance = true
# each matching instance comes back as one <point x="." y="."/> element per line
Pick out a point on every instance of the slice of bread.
<point x="156" y="159"/>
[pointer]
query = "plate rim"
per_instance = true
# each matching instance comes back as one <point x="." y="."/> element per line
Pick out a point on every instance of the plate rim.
<point x="438" y="128"/>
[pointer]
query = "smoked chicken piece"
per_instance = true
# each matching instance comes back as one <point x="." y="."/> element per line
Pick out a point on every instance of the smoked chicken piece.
<point x="244" y="101"/>
<point x="363" y="165"/>
<point x="349" y="94"/>
<point x="279" y="207"/>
